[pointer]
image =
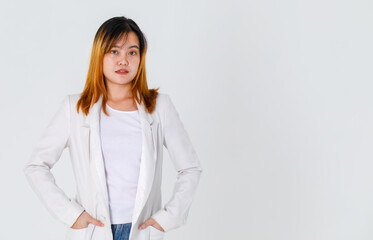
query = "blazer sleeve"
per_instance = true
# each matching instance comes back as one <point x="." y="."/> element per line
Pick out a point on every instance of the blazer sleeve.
<point x="186" y="162"/>
<point x="46" y="153"/>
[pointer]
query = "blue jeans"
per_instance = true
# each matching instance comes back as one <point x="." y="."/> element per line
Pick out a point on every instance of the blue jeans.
<point x="121" y="231"/>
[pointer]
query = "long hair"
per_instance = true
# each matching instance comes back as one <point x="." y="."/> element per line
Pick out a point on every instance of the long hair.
<point x="107" y="35"/>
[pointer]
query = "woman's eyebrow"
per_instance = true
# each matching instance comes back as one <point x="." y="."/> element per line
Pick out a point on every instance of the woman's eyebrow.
<point x="133" y="46"/>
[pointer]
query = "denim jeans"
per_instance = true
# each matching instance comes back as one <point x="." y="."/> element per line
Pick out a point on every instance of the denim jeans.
<point x="121" y="231"/>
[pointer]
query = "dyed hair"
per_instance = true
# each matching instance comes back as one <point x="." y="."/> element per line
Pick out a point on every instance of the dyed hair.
<point x="107" y="35"/>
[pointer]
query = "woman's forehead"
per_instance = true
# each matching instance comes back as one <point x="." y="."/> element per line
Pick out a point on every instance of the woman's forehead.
<point x="130" y="39"/>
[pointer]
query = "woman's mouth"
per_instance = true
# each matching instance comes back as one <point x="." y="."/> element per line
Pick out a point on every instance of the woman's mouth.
<point x="122" y="71"/>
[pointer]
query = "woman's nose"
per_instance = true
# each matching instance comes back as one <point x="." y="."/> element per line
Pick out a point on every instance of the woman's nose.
<point x="123" y="61"/>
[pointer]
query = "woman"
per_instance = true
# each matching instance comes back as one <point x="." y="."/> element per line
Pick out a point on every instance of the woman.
<point x="115" y="131"/>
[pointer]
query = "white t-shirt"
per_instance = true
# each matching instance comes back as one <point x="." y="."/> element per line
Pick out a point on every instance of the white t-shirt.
<point x="121" y="142"/>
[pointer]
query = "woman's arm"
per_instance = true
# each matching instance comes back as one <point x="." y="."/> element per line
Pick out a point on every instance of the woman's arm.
<point x="46" y="153"/>
<point x="186" y="163"/>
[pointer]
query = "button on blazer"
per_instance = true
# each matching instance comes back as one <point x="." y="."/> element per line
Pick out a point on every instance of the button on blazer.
<point x="81" y="135"/>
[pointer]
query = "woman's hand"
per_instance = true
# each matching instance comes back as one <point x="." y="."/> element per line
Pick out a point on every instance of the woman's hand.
<point x="151" y="222"/>
<point x="84" y="219"/>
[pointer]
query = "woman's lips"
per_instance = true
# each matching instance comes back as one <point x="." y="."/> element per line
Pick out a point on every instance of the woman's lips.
<point x="121" y="73"/>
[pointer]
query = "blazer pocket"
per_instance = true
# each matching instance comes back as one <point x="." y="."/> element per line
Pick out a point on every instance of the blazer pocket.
<point x="76" y="234"/>
<point x="81" y="233"/>
<point x="155" y="234"/>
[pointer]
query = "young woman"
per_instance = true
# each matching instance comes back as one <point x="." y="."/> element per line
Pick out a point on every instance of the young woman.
<point x="115" y="131"/>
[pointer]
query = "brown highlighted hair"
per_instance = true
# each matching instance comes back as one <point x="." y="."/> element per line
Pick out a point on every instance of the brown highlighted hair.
<point x="107" y="35"/>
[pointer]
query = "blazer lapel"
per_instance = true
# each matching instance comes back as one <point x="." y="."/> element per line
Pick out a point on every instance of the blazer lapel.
<point x="148" y="155"/>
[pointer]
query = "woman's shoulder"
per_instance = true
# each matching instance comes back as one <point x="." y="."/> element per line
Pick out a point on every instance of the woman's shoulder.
<point x="164" y="102"/>
<point x="162" y="98"/>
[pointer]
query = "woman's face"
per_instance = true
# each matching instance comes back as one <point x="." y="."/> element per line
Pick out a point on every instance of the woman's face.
<point x="125" y="55"/>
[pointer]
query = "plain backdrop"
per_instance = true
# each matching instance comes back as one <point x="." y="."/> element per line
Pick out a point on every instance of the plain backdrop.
<point x="275" y="95"/>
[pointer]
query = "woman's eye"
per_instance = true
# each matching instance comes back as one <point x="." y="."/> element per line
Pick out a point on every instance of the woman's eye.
<point x="133" y="53"/>
<point x="112" y="51"/>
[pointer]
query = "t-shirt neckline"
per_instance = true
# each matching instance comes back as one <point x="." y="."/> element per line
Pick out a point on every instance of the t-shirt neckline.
<point x="107" y="105"/>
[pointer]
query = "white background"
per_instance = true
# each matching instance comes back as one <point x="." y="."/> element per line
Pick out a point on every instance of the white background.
<point x="276" y="96"/>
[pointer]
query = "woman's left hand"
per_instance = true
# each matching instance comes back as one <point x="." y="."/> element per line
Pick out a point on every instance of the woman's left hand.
<point x="151" y="222"/>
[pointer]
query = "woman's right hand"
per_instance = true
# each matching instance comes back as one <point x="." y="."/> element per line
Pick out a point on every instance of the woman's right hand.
<point x="84" y="219"/>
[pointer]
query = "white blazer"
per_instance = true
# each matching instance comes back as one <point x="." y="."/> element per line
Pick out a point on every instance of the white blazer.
<point x="81" y="135"/>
